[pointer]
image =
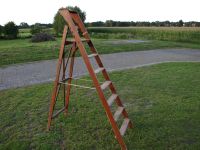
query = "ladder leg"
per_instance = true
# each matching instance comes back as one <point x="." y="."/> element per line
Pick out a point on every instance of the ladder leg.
<point x="82" y="49"/>
<point x="73" y="18"/>
<point x="77" y="19"/>
<point x="70" y="78"/>
<point x="53" y="99"/>
<point x="63" y="78"/>
<point x="56" y="82"/>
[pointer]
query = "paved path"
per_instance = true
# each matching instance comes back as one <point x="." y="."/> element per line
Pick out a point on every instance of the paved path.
<point x="44" y="71"/>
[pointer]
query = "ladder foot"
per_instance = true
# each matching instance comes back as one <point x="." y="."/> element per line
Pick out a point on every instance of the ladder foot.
<point x="48" y="128"/>
<point x="65" y="113"/>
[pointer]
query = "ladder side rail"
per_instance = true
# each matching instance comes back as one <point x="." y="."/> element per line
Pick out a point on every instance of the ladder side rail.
<point x="81" y="25"/>
<point x="56" y="82"/>
<point x="83" y="29"/>
<point x="70" y="77"/>
<point x="63" y="76"/>
<point x="77" y="19"/>
<point x="66" y="15"/>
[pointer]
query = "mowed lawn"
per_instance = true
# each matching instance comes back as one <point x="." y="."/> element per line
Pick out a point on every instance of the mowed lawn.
<point x="162" y="100"/>
<point x="22" y="50"/>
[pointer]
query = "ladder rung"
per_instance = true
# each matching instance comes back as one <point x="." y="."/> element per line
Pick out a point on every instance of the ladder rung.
<point x="85" y="40"/>
<point x="105" y="85"/>
<point x="92" y="55"/>
<point x="77" y="27"/>
<point x="111" y="99"/>
<point x="118" y="113"/>
<point x="84" y="33"/>
<point x="99" y="70"/>
<point x="67" y="42"/>
<point x="124" y="126"/>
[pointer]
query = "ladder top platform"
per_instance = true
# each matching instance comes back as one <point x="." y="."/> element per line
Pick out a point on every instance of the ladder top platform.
<point x="71" y="11"/>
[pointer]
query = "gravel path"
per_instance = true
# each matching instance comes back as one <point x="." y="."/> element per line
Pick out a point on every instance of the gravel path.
<point x="44" y="71"/>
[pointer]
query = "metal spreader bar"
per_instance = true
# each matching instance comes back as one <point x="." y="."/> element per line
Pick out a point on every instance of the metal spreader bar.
<point x="79" y="34"/>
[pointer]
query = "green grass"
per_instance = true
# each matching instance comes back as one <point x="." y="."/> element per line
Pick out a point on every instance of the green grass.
<point x="22" y="50"/>
<point x="177" y="34"/>
<point x="24" y="33"/>
<point x="162" y="101"/>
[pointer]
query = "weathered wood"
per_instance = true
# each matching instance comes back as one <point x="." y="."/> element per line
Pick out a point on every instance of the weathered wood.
<point x="124" y="126"/>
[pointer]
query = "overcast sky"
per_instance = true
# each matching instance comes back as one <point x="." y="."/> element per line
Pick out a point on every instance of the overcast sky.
<point x="43" y="11"/>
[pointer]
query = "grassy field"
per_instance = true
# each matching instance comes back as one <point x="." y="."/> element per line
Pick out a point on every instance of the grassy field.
<point x="177" y="34"/>
<point x="106" y="40"/>
<point x="162" y="100"/>
<point x="26" y="33"/>
<point x="22" y="50"/>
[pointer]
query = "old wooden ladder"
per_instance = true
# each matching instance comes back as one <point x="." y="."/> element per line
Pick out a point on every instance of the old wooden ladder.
<point x="77" y="28"/>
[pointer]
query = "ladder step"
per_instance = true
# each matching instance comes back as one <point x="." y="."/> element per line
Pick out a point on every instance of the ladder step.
<point x="77" y="27"/>
<point x="105" y="85"/>
<point x="118" y="113"/>
<point x="92" y="55"/>
<point x="124" y="126"/>
<point x="67" y="42"/>
<point x="99" y="70"/>
<point x="85" y="33"/>
<point x="111" y="99"/>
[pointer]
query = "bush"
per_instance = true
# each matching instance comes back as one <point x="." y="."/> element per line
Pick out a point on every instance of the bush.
<point x="41" y="37"/>
<point x="10" y="30"/>
<point x="35" y="29"/>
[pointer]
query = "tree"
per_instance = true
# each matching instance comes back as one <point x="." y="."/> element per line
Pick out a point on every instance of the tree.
<point x="59" y="22"/>
<point x="23" y="25"/>
<point x="180" y="23"/>
<point x="11" y="30"/>
<point x="109" y="23"/>
<point x="1" y="30"/>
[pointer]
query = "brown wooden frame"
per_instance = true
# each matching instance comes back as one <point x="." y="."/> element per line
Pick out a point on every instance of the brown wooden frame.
<point x="73" y="21"/>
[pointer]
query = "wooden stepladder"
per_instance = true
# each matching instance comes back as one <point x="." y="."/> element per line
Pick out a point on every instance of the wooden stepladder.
<point x="74" y="24"/>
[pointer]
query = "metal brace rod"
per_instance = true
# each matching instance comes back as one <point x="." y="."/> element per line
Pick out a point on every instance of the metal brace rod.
<point x="76" y="85"/>
<point x="58" y="112"/>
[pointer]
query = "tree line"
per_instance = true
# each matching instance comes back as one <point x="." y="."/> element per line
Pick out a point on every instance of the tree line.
<point x="111" y="23"/>
<point x="11" y="30"/>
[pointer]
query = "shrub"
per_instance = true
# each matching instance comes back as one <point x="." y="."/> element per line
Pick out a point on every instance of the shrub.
<point x="10" y="30"/>
<point x="35" y="29"/>
<point x="41" y="37"/>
